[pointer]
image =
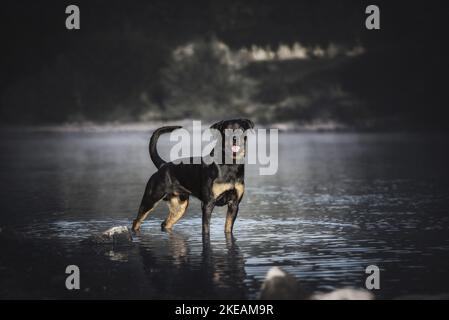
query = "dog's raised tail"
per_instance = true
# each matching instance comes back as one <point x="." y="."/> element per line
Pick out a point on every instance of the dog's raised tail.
<point x="157" y="160"/>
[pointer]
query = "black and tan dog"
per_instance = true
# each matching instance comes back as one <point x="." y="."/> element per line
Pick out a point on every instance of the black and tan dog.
<point x="214" y="184"/>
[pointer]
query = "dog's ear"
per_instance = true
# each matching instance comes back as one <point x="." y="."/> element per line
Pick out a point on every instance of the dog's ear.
<point x="250" y="123"/>
<point x="218" y="126"/>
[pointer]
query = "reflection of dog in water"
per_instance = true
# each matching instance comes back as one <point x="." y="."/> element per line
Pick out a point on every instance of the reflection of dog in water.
<point x="214" y="184"/>
<point x="178" y="268"/>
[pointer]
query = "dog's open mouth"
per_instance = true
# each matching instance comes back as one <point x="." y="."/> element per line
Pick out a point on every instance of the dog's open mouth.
<point x="235" y="147"/>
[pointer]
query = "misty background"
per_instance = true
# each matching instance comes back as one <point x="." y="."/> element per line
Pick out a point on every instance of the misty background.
<point x="310" y="63"/>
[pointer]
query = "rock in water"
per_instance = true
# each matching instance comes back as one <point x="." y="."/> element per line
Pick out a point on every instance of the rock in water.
<point x="279" y="285"/>
<point x="344" y="294"/>
<point x="114" y="235"/>
<point x="114" y="231"/>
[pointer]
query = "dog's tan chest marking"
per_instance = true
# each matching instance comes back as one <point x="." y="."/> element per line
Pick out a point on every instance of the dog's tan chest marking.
<point x="220" y="188"/>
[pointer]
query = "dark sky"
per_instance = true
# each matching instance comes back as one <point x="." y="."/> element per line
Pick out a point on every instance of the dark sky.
<point x="410" y="45"/>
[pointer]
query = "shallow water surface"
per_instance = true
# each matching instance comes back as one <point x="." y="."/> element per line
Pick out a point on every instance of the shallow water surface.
<point x="339" y="203"/>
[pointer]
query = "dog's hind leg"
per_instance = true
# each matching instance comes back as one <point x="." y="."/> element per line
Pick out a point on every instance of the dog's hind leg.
<point x="233" y="209"/>
<point x="154" y="192"/>
<point x="177" y="207"/>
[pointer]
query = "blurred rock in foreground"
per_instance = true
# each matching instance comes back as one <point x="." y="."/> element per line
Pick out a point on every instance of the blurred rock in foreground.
<point x="279" y="285"/>
<point x="344" y="294"/>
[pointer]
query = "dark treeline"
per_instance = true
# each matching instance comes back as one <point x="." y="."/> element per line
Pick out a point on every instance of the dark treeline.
<point x="120" y="65"/>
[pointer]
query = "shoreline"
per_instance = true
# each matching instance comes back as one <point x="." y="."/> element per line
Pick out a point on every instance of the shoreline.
<point x="284" y="127"/>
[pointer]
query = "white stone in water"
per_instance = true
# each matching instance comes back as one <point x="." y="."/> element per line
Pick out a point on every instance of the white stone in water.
<point x="275" y="272"/>
<point x="115" y="230"/>
<point x="344" y="294"/>
<point x="115" y="235"/>
<point x="279" y="285"/>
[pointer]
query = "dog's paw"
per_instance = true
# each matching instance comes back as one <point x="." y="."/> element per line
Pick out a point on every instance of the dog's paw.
<point x="166" y="228"/>
<point x="135" y="227"/>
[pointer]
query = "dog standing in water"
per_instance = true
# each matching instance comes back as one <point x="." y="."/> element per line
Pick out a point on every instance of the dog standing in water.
<point x="214" y="184"/>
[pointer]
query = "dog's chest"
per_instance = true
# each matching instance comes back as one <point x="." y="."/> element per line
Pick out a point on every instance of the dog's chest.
<point x="218" y="188"/>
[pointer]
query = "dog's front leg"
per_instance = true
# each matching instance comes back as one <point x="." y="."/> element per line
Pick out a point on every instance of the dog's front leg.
<point x="233" y="209"/>
<point x="207" y="214"/>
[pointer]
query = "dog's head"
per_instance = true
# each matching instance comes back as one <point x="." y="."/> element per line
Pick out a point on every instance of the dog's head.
<point x="233" y="136"/>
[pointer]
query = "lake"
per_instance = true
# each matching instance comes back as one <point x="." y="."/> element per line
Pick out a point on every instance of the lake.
<point x="338" y="203"/>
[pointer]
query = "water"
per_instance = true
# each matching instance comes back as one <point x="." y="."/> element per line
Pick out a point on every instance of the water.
<point x="339" y="202"/>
